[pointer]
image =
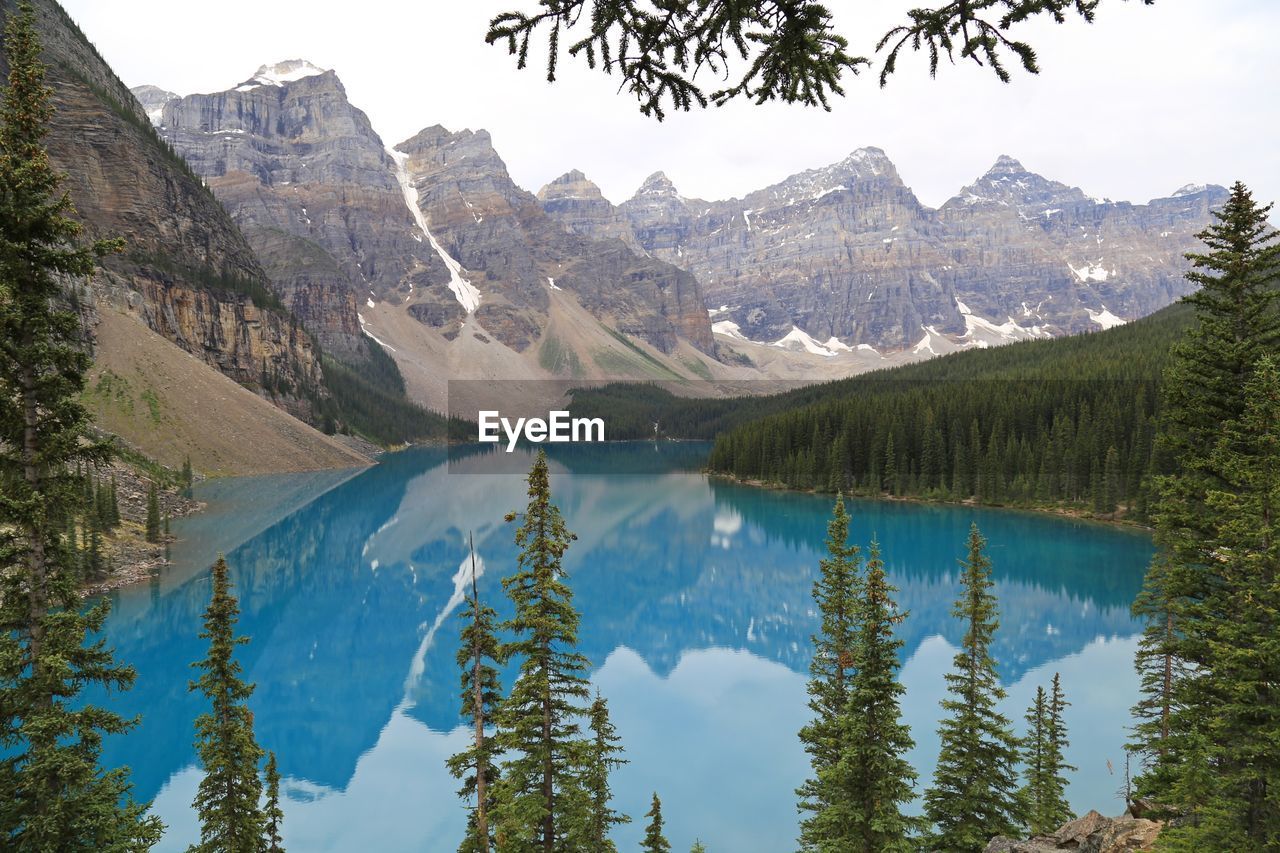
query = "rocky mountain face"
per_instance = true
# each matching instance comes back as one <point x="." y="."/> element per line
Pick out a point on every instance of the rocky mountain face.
<point x="1046" y="254"/>
<point x="187" y="272"/>
<point x="435" y="225"/>
<point x="578" y="205"/>
<point x="153" y="99"/>
<point x="493" y="226"/>
<point x="312" y="187"/>
<point x="846" y="255"/>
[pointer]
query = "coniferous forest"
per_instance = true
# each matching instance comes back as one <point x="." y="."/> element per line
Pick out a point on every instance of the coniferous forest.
<point x="1068" y="422"/>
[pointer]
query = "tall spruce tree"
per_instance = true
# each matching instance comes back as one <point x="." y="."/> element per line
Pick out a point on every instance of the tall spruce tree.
<point x="273" y="841"/>
<point x="1190" y="590"/>
<point x="975" y="785"/>
<point x="1239" y="743"/>
<point x="836" y="593"/>
<point x="54" y="795"/>
<point x="538" y="724"/>
<point x="1044" y="759"/>
<point x="654" y="841"/>
<point x="153" y="513"/>
<point x="1034" y="747"/>
<point x="478" y="657"/>
<point x="228" y="799"/>
<point x="698" y="846"/>
<point x="873" y="777"/>
<point x="602" y="755"/>
<point x="1056" y="809"/>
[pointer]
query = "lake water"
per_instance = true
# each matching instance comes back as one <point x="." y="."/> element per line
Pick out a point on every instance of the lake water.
<point x="697" y="614"/>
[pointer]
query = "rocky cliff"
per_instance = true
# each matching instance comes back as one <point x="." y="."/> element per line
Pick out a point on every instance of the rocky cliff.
<point x="496" y="228"/>
<point x="578" y="205"/>
<point x="845" y="255"/>
<point x="187" y="271"/>
<point x="1092" y="833"/>
<point x="312" y="187"/>
<point x="436" y="225"/>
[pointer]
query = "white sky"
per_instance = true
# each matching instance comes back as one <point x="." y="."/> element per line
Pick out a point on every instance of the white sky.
<point x="1145" y="100"/>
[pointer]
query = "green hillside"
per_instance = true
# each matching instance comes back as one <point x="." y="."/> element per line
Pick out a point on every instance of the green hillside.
<point x="1067" y="422"/>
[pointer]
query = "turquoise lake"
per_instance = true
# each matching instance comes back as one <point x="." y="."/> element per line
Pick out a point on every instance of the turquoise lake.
<point x="695" y="596"/>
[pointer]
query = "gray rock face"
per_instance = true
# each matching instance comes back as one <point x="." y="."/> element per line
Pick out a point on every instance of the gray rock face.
<point x="1047" y="254"/>
<point x="1091" y="833"/>
<point x="849" y="252"/>
<point x="578" y="205"/>
<point x="287" y="154"/>
<point x="182" y="247"/>
<point x="328" y="208"/>
<point x="492" y="226"/>
<point x="153" y="100"/>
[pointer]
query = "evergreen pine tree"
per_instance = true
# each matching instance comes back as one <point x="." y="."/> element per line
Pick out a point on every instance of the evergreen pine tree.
<point x="95" y="566"/>
<point x="229" y="796"/>
<point x="1034" y="746"/>
<point x="478" y="659"/>
<point x="836" y="593"/>
<point x="153" y="514"/>
<point x="102" y="505"/>
<point x="115" y="505"/>
<point x="54" y="795"/>
<point x="187" y="477"/>
<point x="654" y="841"/>
<point x="272" y="813"/>
<point x="975" y="787"/>
<point x="1045" y="764"/>
<point x="698" y="847"/>
<point x="538" y="723"/>
<point x="1111" y="481"/>
<point x="1055" y="809"/>
<point x="1238" y="742"/>
<point x="1190" y="590"/>
<point x="874" y="778"/>
<point x="602" y="756"/>
<point x="1161" y="670"/>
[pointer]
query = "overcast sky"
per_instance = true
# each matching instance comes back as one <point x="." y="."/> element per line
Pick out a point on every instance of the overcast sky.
<point x="1143" y="101"/>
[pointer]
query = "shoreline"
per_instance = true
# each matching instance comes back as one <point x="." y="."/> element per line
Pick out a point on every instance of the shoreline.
<point x="131" y="558"/>
<point x="1060" y="511"/>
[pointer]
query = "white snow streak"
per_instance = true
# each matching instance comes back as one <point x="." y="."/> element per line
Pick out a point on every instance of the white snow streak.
<point x="728" y="328"/>
<point x="798" y="338"/>
<point x="1105" y="318"/>
<point x="461" y="587"/>
<point x="364" y="327"/>
<point x="464" y="291"/>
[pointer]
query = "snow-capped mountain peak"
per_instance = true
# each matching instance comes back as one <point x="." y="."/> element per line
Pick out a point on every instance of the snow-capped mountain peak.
<point x="1190" y="189"/>
<point x="289" y="71"/>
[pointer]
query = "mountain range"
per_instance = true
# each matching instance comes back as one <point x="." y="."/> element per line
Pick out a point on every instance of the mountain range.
<point x="279" y="242"/>
<point x="841" y="262"/>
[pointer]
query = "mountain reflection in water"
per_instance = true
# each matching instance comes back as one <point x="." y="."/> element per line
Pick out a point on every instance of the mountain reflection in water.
<point x="697" y="614"/>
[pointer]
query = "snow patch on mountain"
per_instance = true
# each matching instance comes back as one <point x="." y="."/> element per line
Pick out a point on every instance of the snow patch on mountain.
<point x="464" y="291"/>
<point x="729" y="329"/>
<point x="799" y="340"/>
<point x="926" y="345"/>
<point x="1105" y="318"/>
<point x="364" y="327"/>
<point x="289" y="71"/>
<point x="1091" y="272"/>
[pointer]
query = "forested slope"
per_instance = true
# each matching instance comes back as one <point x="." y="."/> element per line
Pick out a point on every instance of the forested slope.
<point x="1065" y="421"/>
